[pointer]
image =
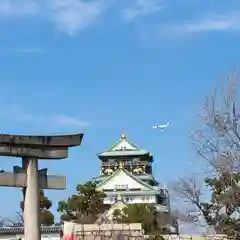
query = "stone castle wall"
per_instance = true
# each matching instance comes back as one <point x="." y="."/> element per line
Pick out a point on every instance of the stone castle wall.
<point x="132" y="231"/>
<point x="104" y="231"/>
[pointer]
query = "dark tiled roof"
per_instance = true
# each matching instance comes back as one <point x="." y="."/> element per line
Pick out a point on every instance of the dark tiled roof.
<point x="13" y="230"/>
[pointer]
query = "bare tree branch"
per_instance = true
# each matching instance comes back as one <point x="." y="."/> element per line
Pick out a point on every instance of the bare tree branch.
<point x="218" y="144"/>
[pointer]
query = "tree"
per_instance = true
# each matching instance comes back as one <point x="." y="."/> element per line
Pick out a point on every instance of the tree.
<point x="85" y="206"/>
<point x="117" y="215"/>
<point x="153" y="222"/>
<point x="189" y="191"/>
<point x="218" y="144"/>
<point x="46" y="217"/>
<point x="140" y="213"/>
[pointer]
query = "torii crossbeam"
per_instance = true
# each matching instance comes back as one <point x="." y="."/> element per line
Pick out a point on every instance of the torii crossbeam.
<point x="30" y="149"/>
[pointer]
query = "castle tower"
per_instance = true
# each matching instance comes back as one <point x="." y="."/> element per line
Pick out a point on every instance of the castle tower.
<point x="126" y="169"/>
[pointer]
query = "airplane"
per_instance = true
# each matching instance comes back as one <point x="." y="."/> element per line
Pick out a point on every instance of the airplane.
<point x="161" y="126"/>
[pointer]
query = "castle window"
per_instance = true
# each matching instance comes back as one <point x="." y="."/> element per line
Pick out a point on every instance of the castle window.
<point x="160" y="200"/>
<point x="123" y="148"/>
<point x="130" y="199"/>
<point x="121" y="186"/>
<point x="111" y="161"/>
<point x="135" y="160"/>
<point x="145" y="198"/>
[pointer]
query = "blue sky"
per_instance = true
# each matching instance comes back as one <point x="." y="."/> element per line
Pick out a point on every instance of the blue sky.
<point x="99" y="66"/>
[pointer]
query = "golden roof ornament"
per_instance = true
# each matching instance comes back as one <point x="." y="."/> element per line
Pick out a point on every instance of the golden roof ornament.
<point x="108" y="171"/>
<point x="137" y="170"/>
<point x="123" y="136"/>
<point x="99" y="190"/>
<point x="119" y="197"/>
<point x="121" y="165"/>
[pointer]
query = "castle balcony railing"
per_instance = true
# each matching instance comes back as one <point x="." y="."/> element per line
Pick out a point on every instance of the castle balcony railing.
<point x="133" y="163"/>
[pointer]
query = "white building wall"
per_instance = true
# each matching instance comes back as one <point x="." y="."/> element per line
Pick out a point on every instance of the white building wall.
<point x="132" y="199"/>
<point x="45" y="236"/>
<point x="123" y="181"/>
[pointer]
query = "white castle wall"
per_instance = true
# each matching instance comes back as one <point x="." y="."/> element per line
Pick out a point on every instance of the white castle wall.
<point x="132" y="199"/>
<point x="50" y="236"/>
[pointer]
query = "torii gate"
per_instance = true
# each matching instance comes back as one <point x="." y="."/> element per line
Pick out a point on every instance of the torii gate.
<point x="30" y="149"/>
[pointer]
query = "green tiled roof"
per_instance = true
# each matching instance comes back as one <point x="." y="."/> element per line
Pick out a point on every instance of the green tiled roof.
<point x="125" y="152"/>
<point x="145" y="176"/>
<point x="123" y="137"/>
<point x="141" y="176"/>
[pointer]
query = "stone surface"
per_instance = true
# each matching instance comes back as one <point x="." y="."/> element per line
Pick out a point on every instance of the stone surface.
<point x="56" y="182"/>
<point x="30" y="149"/>
<point x="48" y="153"/>
<point x="130" y="231"/>
<point x="31" y="202"/>
<point x="51" y="141"/>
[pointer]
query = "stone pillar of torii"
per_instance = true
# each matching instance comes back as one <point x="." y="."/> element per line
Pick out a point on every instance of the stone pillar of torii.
<point x="30" y="149"/>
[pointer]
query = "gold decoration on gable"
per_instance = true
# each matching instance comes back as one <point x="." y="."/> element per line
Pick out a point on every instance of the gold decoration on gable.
<point x="138" y="170"/>
<point x="99" y="190"/>
<point x="119" y="197"/>
<point x="121" y="165"/>
<point x="108" y="171"/>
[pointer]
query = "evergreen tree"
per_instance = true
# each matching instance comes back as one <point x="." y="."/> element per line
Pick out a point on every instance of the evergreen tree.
<point x="85" y="206"/>
<point x="46" y="217"/>
<point x="153" y="222"/>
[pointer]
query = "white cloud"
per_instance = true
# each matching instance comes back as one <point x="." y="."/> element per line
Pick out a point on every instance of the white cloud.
<point x="68" y="121"/>
<point x="142" y="8"/>
<point x="68" y="16"/>
<point x="72" y="15"/>
<point x="216" y="22"/>
<point x="209" y="23"/>
<point x="18" y="114"/>
<point x="16" y="8"/>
